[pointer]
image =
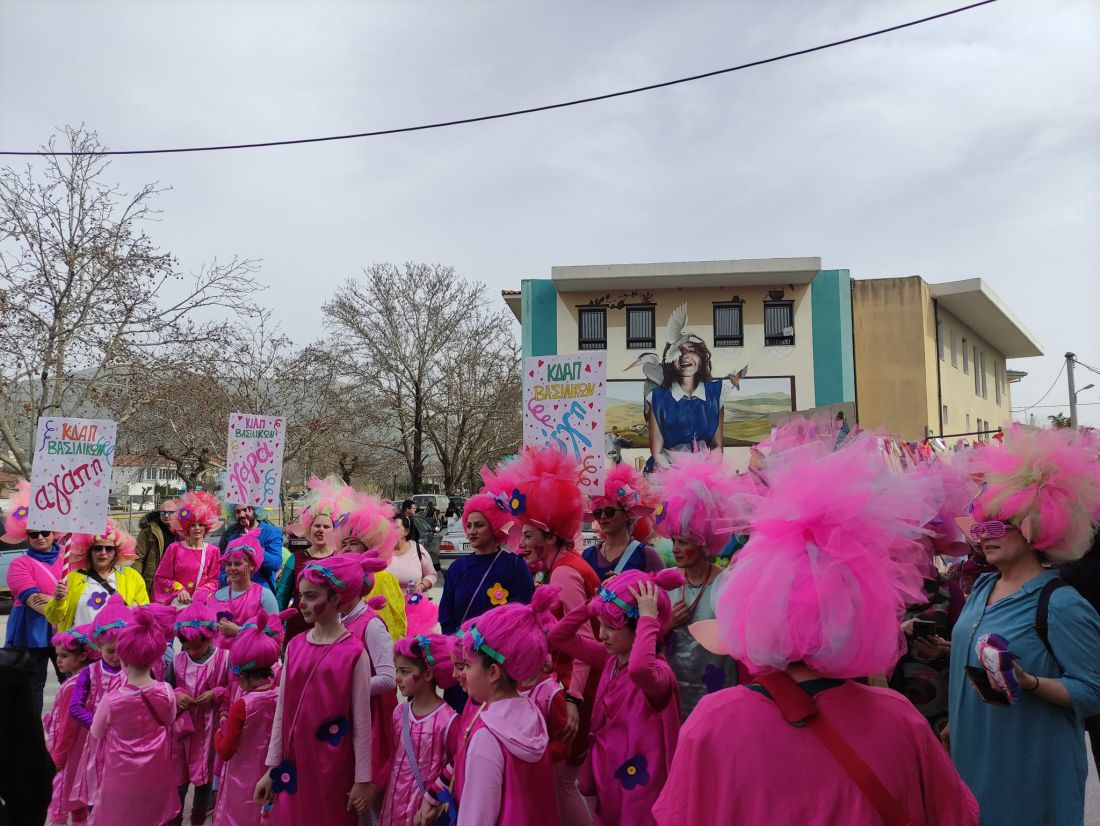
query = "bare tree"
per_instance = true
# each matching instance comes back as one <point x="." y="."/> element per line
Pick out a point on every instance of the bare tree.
<point x="90" y="306"/>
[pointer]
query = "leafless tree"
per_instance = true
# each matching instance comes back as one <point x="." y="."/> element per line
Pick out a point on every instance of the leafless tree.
<point x="90" y="305"/>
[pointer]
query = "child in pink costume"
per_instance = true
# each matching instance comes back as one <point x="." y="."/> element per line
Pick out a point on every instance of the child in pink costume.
<point x="92" y="685"/>
<point x="232" y="607"/>
<point x="243" y="741"/>
<point x="190" y="564"/>
<point x="320" y="751"/>
<point x="200" y="675"/>
<point x="420" y="728"/>
<point x="636" y="717"/>
<point x="813" y="600"/>
<point x="65" y="737"/>
<point x="139" y="786"/>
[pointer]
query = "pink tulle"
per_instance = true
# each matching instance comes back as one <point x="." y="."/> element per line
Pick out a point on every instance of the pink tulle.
<point x="422" y="614"/>
<point x="79" y="543"/>
<point x="693" y="496"/>
<point x="15" y="524"/>
<point x="371" y="522"/>
<point x="626" y="487"/>
<point x="327" y="497"/>
<point x="540" y="488"/>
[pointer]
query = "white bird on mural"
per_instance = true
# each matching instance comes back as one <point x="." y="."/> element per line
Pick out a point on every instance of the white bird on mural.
<point x="675" y="337"/>
<point x="651" y="367"/>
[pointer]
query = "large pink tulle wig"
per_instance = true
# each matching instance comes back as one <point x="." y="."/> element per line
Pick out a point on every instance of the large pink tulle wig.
<point x="1046" y="483"/>
<point x="79" y="543"/>
<point x="196" y="507"/>
<point x="495" y="512"/>
<point x="512" y="636"/>
<point x="618" y="608"/>
<point x="77" y="640"/>
<point x="111" y="619"/>
<point x="956" y="491"/>
<point x="349" y="576"/>
<point x="142" y="642"/>
<point x="247" y="547"/>
<point x="832" y="561"/>
<point x="431" y="652"/>
<point x="693" y="497"/>
<point x="540" y="488"/>
<point x="257" y="644"/>
<point x="197" y="620"/>
<point x="327" y="497"/>
<point x="15" y="523"/>
<point x="371" y="523"/>
<point x="626" y="487"/>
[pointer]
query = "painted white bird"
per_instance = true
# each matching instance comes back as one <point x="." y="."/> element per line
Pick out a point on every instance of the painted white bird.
<point x="651" y="367"/>
<point x="675" y="337"/>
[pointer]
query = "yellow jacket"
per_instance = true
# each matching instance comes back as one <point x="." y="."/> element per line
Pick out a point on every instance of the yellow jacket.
<point x="393" y="612"/>
<point x="62" y="612"/>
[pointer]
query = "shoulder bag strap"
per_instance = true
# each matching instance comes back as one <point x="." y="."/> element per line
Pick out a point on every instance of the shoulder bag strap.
<point x="800" y="709"/>
<point x="91" y="573"/>
<point x="627" y="553"/>
<point x="406" y="742"/>
<point x="1042" y="613"/>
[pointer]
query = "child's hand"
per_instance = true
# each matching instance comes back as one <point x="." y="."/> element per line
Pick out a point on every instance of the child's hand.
<point x="646" y="596"/>
<point x="184" y="701"/>
<point x="205" y="698"/>
<point x="263" y="791"/>
<point x="228" y="628"/>
<point x="428" y="813"/>
<point x="357" y="798"/>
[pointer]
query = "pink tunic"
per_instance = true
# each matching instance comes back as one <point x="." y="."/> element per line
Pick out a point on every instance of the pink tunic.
<point x="193" y="731"/>
<point x="239" y="775"/>
<point x="89" y="773"/>
<point x="365" y="625"/>
<point x="139" y="786"/>
<point x="428" y="736"/>
<point x="187" y="569"/>
<point x="241" y="607"/>
<point x="320" y="741"/>
<point x="771" y="770"/>
<point x="65" y="739"/>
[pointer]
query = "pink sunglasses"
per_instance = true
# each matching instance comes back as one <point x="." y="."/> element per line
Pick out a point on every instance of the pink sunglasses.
<point x="994" y="529"/>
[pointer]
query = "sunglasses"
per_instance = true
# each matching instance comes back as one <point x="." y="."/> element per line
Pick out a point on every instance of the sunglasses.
<point x="167" y="513"/>
<point x="604" y="513"/>
<point x="97" y="548"/>
<point x="37" y="534"/>
<point x="994" y="529"/>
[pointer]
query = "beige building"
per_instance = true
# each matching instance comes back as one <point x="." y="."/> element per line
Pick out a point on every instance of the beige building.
<point x="930" y="358"/>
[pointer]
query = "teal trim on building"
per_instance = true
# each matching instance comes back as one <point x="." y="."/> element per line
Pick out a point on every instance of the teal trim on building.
<point x="539" y="317"/>
<point x="834" y="356"/>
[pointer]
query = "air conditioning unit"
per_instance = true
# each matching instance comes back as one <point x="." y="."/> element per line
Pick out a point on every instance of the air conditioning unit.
<point x="788" y="331"/>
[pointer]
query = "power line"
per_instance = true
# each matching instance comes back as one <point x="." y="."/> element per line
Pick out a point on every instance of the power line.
<point x="1060" y="371"/>
<point x="1079" y="404"/>
<point x="1086" y="366"/>
<point x="515" y="112"/>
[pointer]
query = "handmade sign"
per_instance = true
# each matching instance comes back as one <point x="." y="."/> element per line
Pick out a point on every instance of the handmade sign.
<point x="563" y="407"/>
<point x="71" y="475"/>
<point x="254" y="459"/>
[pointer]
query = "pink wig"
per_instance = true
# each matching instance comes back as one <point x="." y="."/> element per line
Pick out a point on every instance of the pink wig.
<point x="196" y="507"/>
<point x="540" y="488"/>
<point x="327" y="497"/>
<point x="694" y="495"/>
<point x="956" y="490"/>
<point x="247" y="547"/>
<point x="616" y="606"/>
<point x="142" y="642"/>
<point x="15" y="524"/>
<point x="111" y="619"/>
<point x="494" y="510"/>
<point x="76" y="640"/>
<point x="196" y="621"/>
<point x="79" y="543"/>
<point x="349" y="576"/>
<point x="371" y="522"/>
<point x="257" y="644"/>
<point x="511" y="636"/>
<point x="1047" y="484"/>
<point x="832" y="560"/>
<point x="432" y="653"/>
<point x="626" y="487"/>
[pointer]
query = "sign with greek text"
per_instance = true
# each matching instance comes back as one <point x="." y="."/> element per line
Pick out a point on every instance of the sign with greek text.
<point x="254" y="459"/>
<point x="71" y="475"/>
<point x="563" y="408"/>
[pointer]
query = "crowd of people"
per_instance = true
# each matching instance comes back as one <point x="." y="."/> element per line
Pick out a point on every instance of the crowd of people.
<point x="837" y="641"/>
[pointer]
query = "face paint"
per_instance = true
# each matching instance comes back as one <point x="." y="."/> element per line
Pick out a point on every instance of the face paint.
<point x="320" y="610"/>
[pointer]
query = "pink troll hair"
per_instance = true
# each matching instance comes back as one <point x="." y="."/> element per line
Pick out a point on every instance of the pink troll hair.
<point x="432" y="653"/>
<point x="626" y="487"/>
<point x="142" y="642"/>
<point x="1047" y="484"/>
<point x="327" y="497"/>
<point x="15" y="523"/>
<point x="196" y="507"/>
<point x="617" y="607"/>
<point x="76" y="640"/>
<point x="111" y="619"/>
<point x="247" y="547"/>
<point x="495" y="512"/>
<point x="257" y="644"/>
<point x="512" y="636"/>
<point x="349" y="576"/>
<point x="371" y="522"/>
<point x="79" y="543"/>
<point x="540" y="488"/>
<point x="955" y="491"/>
<point x="832" y="561"/>
<point x="694" y="494"/>
<point x="196" y="621"/>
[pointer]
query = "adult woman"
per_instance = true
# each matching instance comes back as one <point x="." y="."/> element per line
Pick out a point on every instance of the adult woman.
<point x="625" y="525"/>
<point x="190" y="564"/>
<point x="240" y="598"/>
<point x="369" y="527"/>
<point x="99" y="570"/>
<point x="694" y="496"/>
<point x="685" y="412"/>
<point x="411" y="566"/>
<point x="1026" y="763"/>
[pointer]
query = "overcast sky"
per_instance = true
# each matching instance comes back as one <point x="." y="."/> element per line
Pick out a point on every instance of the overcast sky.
<point x="966" y="147"/>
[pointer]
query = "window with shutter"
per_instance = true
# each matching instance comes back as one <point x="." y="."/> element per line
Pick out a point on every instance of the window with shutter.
<point x="592" y="328"/>
<point x="778" y="323"/>
<point x="728" y="331"/>
<point x="640" y="328"/>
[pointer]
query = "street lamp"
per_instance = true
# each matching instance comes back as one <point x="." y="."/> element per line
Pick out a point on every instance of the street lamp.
<point x="1082" y="390"/>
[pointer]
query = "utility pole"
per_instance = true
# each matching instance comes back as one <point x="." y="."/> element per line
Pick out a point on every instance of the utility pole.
<point x="1070" y="359"/>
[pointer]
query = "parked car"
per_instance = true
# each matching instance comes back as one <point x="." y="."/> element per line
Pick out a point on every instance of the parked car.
<point x="6" y="557"/>
<point x="436" y="500"/>
<point x="114" y="503"/>
<point x="452" y="545"/>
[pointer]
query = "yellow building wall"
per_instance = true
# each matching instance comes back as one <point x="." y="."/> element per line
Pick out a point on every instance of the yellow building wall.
<point x="964" y="406"/>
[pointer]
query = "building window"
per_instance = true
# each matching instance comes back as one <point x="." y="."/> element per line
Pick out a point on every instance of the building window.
<point x="728" y="331"/>
<point x="977" y="375"/>
<point x="640" y="328"/>
<point x="981" y="372"/>
<point x="998" y="373"/>
<point x="945" y="417"/>
<point x="967" y="422"/>
<point x="966" y="357"/>
<point x="592" y="324"/>
<point x="778" y="323"/>
<point x="954" y="348"/>
<point x="939" y="338"/>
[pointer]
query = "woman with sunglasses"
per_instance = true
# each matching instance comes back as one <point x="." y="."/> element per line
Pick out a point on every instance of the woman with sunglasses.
<point x="623" y="520"/>
<point x="100" y="568"/>
<point x="1022" y="753"/>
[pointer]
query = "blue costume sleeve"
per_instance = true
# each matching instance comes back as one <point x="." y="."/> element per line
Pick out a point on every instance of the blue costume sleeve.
<point x="523" y="586"/>
<point x="271" y="538"/>
<point x="1074" y="634"/>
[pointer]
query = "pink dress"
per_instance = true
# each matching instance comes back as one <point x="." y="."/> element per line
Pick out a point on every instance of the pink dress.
<point x="139" y="787"/>
<point x="503" y="774"/>
<point x="65" y="739"/>
<point x="187" y="569"/>
<point x="635" y="721"/>
<point x="428" y="740"/>
<point x="364" y="624"/>
<point x="240" y="607"/>
<point x="193" y="731"/>
<point x="101" y="680"/>
<point x="237" y="781"/>
<point x="771" y="771"/>
<point x="320" y="738"/>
